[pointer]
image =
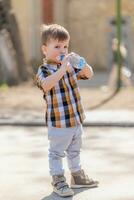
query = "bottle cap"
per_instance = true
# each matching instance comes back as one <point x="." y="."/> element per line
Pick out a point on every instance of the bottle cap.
<point x="60" y="57"/>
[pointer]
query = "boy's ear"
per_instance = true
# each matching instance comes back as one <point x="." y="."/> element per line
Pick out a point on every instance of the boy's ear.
<point x="43" y="48"/>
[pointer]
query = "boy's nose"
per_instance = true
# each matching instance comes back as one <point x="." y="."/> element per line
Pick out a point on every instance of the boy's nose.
<point x="63" y="51"/>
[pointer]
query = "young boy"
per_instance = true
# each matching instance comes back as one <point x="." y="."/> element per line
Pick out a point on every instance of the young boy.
<point x="58" y="80"/>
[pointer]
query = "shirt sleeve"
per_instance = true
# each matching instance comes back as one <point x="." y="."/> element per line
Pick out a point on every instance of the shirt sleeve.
<point x="41" y="75"/>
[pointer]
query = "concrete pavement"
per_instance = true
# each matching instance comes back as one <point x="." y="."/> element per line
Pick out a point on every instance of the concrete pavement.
<point x="123" y="118"/>
<point x="107" y="156"/>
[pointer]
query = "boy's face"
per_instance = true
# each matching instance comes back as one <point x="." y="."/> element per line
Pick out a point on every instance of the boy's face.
<point x="54" y="48"/>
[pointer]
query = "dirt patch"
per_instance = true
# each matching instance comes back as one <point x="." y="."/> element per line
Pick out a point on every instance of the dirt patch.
<point x="28" y="97"/>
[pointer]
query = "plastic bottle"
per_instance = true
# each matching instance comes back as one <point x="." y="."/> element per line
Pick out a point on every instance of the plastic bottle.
<point x="74" y="59"/>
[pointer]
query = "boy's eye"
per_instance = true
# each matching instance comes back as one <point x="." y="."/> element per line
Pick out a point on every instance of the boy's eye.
<point x="57" y="47"/>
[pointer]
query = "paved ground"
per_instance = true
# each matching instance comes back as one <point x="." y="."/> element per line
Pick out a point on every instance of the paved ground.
<point x="93" y="118"/>
<point x="107" y="155"/>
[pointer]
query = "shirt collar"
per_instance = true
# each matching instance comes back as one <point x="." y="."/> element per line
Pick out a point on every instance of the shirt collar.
<point x="51" y="65"/>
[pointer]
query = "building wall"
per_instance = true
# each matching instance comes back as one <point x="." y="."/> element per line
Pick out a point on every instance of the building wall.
<point x="87" y="22"/>
<point x="28" y="14"/>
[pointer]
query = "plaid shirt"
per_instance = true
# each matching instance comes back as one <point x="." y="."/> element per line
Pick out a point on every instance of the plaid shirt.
<point x="64" y="108"/>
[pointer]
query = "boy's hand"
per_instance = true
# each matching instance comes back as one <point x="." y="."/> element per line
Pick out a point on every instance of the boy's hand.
<point x="66" y="65"/>
<point x="69" y="68"/>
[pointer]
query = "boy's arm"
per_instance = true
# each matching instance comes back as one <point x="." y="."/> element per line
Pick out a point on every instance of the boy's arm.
<point x="86" y="72"/>
<point x="51" y="80"/>
<point x="46" y="83"/>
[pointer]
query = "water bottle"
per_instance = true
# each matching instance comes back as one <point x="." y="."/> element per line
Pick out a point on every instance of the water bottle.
<point x="74" y="59"/>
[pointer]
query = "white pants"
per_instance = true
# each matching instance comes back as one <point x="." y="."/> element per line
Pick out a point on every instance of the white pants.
<point x="64" y="140"/>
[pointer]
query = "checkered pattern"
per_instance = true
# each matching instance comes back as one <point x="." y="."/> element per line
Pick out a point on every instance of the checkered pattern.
<point x="64" y="108"/>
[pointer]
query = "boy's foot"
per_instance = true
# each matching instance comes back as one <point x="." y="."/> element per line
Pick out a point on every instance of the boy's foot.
<point x="61" y="187"/>
<point x="80" y="180"/>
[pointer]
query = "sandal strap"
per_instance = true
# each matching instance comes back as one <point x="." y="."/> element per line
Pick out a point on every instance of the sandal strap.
<point x="61" y="185"/>
<point x="58" y="179"/>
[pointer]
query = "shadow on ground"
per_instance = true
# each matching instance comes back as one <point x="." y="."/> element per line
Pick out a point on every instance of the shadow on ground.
<point x="54" y="196"/>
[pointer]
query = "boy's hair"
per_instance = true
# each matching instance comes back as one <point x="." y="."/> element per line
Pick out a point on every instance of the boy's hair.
<point x="53" y="31"/>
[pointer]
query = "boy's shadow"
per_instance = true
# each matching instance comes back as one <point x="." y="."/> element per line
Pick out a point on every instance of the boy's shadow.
<point x="54" y="196"/>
